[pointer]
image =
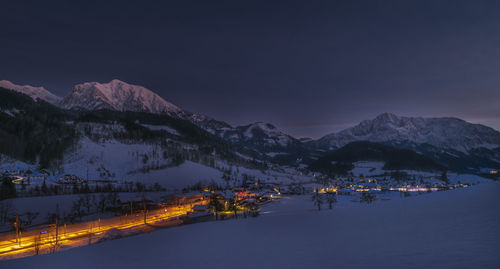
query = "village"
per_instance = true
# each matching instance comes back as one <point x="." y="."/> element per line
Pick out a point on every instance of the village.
<point x="30" y="182"/>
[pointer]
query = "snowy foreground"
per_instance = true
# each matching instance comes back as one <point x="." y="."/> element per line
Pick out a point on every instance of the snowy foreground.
<point x="452" y="229"/>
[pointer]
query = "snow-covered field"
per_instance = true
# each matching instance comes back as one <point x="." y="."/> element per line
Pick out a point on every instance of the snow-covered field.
<point x="370" y="169"/>
<point x="178" y="177"/>
<point x="44" y="205"/>
<point x="367" y="168"/>
<point x="452" y="229"/>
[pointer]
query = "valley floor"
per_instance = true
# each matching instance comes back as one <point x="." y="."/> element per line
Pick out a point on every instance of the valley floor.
<point x="452" y="229"/>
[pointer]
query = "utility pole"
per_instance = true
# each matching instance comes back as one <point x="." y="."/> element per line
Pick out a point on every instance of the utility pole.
<point x="144" y="204"/>
<point x="57" y="229"/>
<point x="90" y="233"/>
<point x="18" y="240"/>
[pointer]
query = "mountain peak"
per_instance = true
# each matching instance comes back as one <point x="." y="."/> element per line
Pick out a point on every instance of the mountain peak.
<point x="264" y="126"/>
<point x="386" y="116"/>
<point x="117" y="95"/>
<point x="31" y="91"/>
<point x="115" y="80"/>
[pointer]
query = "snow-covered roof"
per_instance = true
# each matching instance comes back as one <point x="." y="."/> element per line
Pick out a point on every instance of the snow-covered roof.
<point x="226" y="194"/>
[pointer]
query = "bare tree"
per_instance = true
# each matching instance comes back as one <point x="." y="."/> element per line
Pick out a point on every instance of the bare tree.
<point x="36" y="245"/>
<point x="90" y="234"/>
<point x="367" y="197"/>
<point x="5" y="208"/>
<point x="317" y="200"/>
<point x="100" y="204"/>
<point x="55" y="166"/>
<point x="53" y="244"/>
<point x="78" y="208"/>
<point x="232" y="206"/>
<point x="29" y="217"/>
<point x="87" y="202"/>
<point x="331" y="198"/>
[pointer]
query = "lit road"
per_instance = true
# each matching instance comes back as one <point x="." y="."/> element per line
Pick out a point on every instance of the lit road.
<point x="43" y="240"/>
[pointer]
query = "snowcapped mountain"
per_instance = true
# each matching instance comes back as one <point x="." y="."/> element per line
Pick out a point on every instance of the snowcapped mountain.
<point x="266" y="141"/>
<point x="121" y="96"/>
<point x="117" y="95"/>
<point x="33" y="92"/>
<point x="446" y="133"/>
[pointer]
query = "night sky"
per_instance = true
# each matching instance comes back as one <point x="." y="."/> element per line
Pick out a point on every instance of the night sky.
<point x="308" y="67"/>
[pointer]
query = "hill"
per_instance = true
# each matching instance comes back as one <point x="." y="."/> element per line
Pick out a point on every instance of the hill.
<point x="340" y="161"/>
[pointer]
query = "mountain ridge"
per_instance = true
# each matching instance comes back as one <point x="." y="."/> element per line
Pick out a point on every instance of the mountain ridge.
<point x="444" y="132"/>
<point x="31" y="91"/>
<point x="117" y="95"/>
<point x="451" y="141"/>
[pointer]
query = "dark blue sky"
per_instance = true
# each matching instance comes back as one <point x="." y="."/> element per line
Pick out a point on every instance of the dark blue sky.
<point x="309" y="67"/>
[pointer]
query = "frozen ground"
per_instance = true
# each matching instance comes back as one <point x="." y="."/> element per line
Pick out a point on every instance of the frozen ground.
<point x="452" y="229"/>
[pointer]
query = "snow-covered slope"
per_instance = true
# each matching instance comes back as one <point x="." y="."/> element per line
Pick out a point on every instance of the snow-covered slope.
<point x="110" y="159"/>
<point x="208" y="124"/>
<point x="33" y="92"/>
<point x="449" y="133"/>
<point x="117" y="95"/>
<point x="128" y="162"/>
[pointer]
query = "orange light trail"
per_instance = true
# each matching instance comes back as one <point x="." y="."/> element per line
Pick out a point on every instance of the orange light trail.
<point x="81" y="234"/>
